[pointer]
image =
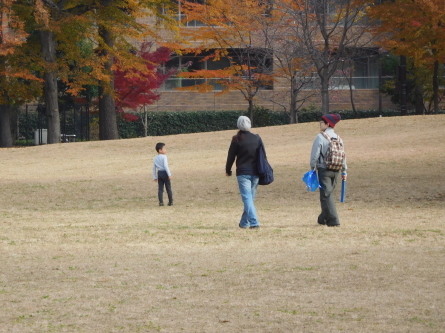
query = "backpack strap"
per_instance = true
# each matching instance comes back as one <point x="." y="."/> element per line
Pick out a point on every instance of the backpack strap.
<point x="329" y="138"/>
<point x="326" y="136"/>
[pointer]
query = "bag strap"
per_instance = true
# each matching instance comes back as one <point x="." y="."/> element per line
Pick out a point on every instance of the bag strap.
<point x="326" y="136"/>
<point x="261" y="146"/>
<point x="260" y="142"/>
<point x="330" y="139"/>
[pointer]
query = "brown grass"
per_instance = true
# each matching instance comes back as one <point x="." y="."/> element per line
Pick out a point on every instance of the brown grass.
<point x="85" y="248"/>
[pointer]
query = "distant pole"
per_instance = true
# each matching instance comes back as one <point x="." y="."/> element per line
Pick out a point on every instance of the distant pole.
<point x="380" y="84"/>
<point x="402" y="80"/>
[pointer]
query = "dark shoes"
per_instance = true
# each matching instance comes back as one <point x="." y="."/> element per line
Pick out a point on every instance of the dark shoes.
<point x="324" y="222"/>
<point x="170" y="203"/>
<point x="161" y="204"/>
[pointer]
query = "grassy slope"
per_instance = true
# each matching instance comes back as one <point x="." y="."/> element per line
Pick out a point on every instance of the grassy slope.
<point x="85" y="248"/>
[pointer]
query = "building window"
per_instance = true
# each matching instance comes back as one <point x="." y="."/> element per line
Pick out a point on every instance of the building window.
<point x="360" y="70"/>
<point x="192" y="63"/>
<point x="175" y="12"/>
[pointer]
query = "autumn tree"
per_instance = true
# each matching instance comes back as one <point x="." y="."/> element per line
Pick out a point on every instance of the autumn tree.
<point x="46" y="13"/>
<point x="17" y="83"/>
<point x="50" y="19"/>
<point x="138" y="89"/>
<point x="415" y="29"/>
<point x="62" y="25"/>
<point x="54" y="19"/>
<point x="326" y="29"/>
<point x="292" y="67"/>
<point x="231" y="30"/>
<point x="134" y="89"/>
<point x="121" y="25"/>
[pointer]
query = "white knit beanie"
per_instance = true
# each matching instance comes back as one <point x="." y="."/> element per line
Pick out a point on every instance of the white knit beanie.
<point x="243" y="123"/>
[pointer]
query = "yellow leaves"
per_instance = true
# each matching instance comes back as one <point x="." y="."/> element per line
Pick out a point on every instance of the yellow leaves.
<point x="225" y="22"/>
<point x="42" y="14"/>
<point x="12" y="32"/>
<point x="232" y="29"/>
<point x="22" y="75"/>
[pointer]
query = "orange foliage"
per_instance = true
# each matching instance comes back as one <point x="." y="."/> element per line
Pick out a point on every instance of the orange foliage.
<point x="17" y="83"/>
<point x="236" y="25"/>
<point x="12" y="32"/>
<point x="414" y="28"/>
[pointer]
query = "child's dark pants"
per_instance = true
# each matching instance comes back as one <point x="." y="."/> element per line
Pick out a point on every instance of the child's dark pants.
<point x="163" y="179"/>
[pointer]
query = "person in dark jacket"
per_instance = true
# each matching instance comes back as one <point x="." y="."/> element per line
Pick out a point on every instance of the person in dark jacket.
<point x="244" y="149"/>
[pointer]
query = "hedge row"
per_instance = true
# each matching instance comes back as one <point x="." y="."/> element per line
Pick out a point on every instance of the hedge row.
<point x="168" y="123"/>
<point x="306" y="116"/>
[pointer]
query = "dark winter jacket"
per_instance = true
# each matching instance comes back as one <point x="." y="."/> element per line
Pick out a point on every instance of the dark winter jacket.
<point x="244" y="149"/>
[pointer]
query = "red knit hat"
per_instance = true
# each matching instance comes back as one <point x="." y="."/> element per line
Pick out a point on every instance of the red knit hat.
<point x="331" y="119"/>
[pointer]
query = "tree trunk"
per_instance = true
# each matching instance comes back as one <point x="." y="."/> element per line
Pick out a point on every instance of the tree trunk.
<point x="107" y="106"/>
<point x="418" y="99"/>
<point x="107" y="114"/>
<point x="293" y="111"/>
<point x="145" y="122"/>
<point x="50" y="86"/>
<point x="5" y="127"/>
<point x="251" y="111"/>
<point x="324" y="95"/>
<point x="436" y="87"/>
<point x="293" y="103"/>
<point x="403" y="92"/>
<point x="351" y="92"/>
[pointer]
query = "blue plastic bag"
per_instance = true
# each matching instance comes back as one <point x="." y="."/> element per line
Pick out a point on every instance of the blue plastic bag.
<point x="310" y="178"/>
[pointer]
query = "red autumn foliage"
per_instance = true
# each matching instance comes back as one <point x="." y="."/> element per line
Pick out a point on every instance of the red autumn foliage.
<point x="134" y="88"/>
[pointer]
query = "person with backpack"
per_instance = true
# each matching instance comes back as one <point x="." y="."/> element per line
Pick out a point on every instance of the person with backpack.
<point x="329" y="158"/>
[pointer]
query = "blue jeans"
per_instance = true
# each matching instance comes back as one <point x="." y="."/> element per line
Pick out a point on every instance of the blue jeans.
<point x="247" y="187"/>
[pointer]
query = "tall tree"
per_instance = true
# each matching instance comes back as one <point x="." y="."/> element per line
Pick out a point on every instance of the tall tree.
<point x="50" y="19"/>
<point x="17" y="83"/>
<point x="415" y="29"/>
<point x="136" y="90"/>
<point x="326" y="28"/>
<point x="233" y="30"/>
<point x="292" y="66"/>
<point x="115" y="25"/>
<point x="46" y="14"/>
<point x="120" y="27"/>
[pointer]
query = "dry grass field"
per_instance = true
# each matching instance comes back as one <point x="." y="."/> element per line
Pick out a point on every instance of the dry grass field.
<point x="84" y="246"/>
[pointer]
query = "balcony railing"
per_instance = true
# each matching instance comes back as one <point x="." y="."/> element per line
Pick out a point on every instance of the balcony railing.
<point x="357" y="82"/>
